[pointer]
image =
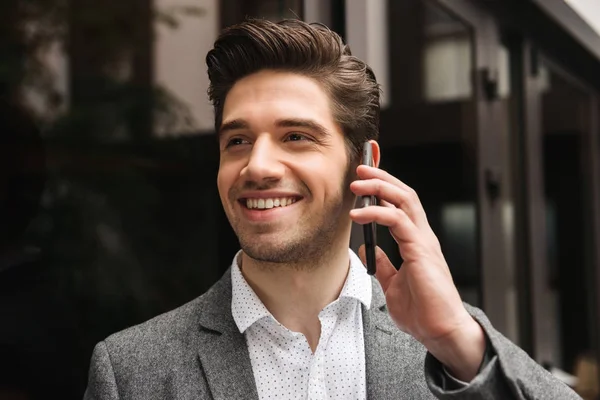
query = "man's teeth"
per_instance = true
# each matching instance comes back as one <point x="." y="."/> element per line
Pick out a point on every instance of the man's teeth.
<point x="269" y="203"/>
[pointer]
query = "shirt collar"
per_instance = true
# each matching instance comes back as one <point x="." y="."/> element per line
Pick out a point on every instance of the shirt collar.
<point x="247" y="308"/>
<point x="358" y="282"/>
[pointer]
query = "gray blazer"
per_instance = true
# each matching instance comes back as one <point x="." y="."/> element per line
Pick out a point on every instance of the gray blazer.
<point x="197" y="352"/>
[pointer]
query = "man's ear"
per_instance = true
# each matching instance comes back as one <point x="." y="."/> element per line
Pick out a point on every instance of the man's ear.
<point x="376" y="153"/>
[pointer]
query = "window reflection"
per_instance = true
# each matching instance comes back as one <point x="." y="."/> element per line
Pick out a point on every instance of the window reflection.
<point x="103" y="223"/>
<point x="447" y="57"/>
<point x="566" y="121"/>
<point x="428" y="132"/>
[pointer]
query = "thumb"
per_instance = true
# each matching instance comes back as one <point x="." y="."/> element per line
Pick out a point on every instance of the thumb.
<point x="385" y="268"/>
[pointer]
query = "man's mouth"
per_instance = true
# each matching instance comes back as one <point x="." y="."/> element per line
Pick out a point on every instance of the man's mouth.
<point x="268" y="203"/>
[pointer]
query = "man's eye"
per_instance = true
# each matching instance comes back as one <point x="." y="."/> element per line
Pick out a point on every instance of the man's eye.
<point x="236" y="142"/>
<point x="295" y="137"/>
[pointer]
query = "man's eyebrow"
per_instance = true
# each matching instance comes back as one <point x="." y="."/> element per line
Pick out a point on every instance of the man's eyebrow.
<point x="236" y="124"/>
<point x="232" y="125"/>
<point x="303" y="123"/>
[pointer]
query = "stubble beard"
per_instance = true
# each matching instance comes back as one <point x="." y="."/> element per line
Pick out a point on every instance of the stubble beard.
<point x="306" y="243"/>
<point x="300" y="247"/>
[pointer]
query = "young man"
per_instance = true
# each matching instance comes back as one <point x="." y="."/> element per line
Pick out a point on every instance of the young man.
<point x="297" y="316"/>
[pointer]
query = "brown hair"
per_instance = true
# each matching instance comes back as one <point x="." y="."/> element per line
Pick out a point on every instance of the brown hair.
<point x="312" y="50"/>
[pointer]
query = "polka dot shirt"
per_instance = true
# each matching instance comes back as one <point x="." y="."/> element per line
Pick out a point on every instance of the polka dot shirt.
<point x="283" y="364"/>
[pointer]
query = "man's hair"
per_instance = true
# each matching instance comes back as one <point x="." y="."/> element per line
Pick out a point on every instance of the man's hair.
<point x="311" y="50"/>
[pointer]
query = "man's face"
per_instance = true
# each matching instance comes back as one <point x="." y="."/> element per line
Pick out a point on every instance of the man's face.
<point x="284" y="172"/>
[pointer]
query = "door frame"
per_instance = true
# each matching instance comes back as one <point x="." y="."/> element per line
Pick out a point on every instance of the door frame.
<point x="496" y="270"/>
<point x="590" y="169"/>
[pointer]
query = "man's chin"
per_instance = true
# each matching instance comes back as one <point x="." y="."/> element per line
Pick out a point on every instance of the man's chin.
<point x="273" y="253"/>
<point x="265" y="255"/>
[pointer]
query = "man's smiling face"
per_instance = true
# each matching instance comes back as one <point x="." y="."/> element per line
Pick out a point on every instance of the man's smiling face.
<point x="284" y="169"/>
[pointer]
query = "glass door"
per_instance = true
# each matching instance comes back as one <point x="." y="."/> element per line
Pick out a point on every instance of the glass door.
<point x="441" y="134"/>
<point x="556" y="184"/>
<point x="566" y="124"/>
<point x="428" y="131"/>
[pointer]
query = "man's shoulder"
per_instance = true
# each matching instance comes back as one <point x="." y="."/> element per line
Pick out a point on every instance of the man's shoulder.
<point x="160" y="327"/>
<point x="156" y="358"/>
<point x="171" y="332"/>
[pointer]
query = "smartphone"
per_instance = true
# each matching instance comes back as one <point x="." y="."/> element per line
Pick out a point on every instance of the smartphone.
<point x="369" y="230"/>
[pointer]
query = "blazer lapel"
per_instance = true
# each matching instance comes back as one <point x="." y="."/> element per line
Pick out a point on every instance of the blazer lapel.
<point x="394" y="360"/>
<point x="224" y="354"/>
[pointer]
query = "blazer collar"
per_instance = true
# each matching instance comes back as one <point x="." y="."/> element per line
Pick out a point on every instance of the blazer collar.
<point x="386" y="350"/>
<point x="226" y="362"/>
<point x="224" y="354"/>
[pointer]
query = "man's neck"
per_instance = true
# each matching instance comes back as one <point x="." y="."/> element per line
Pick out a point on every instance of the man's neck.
<point x="294" y="295"/>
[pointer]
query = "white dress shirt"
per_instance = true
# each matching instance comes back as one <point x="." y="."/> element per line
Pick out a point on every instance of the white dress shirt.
<point x="283" y="364"/>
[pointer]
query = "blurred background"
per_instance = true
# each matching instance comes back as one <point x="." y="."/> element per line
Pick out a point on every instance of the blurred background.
<point x="109" y="212"/>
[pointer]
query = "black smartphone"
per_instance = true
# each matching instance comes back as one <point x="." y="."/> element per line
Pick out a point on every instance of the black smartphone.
<point x="369" y="230"/>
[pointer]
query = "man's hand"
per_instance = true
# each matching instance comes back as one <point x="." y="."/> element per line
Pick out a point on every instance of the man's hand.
<point x="421" y="296"/>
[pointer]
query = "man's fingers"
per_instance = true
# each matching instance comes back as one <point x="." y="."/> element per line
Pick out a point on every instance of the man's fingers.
<point x="393" y="195"/>
<point x="384" y="203"/>
<point x="366" y="172"/>
<point x="385" y="268"/>
<point x="401" y="226"/>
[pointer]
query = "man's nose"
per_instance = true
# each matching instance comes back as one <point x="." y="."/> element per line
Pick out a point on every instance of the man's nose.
<point x="264" y="163"/>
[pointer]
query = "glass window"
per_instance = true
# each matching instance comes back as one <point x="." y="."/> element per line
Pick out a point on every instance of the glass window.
<point x="429" y="130"/>
<point x="566" y="122"/>
<point x="104" y="222"/>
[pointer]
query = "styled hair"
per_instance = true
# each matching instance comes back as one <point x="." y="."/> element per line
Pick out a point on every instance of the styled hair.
<point x="311" y="50"/>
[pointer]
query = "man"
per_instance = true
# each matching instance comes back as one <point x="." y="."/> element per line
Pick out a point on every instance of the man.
<point x="296" y="316"/>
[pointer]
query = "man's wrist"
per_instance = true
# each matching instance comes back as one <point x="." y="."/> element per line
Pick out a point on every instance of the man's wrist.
<point x="462" y="351"/>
